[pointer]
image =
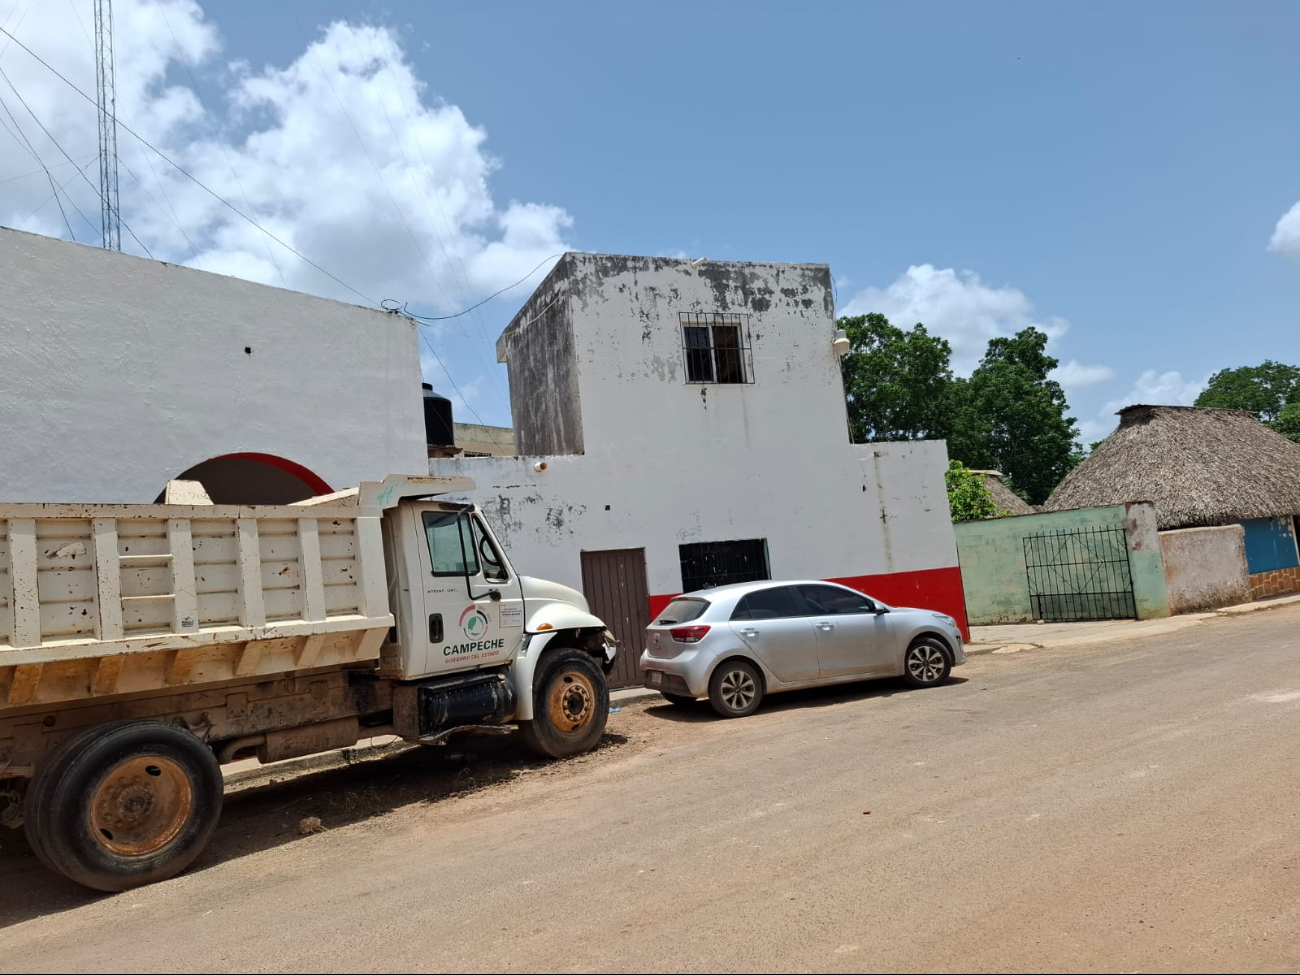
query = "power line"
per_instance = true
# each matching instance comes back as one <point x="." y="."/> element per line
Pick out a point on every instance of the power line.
<point x="194" y="179"/>
<point x="22" y="136"/>
<point x="480" y="304"/>
<point x="437" y="358"/>
<point x="215" y="131"/>
<point x="35" y="155"/>
<point x="461" y="280"/>
<point x="169" y="209"/>
<point x="34" y="172"/>
<point x="64" y="187"/>
<point x="50" y="135"/>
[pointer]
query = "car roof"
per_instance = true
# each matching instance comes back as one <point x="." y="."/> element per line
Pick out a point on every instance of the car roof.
<point x="738" y="589"/>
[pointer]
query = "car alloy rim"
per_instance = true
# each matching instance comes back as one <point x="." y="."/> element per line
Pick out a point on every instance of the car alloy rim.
<point x="738" y="689"/>
<point x="925" y="663"/>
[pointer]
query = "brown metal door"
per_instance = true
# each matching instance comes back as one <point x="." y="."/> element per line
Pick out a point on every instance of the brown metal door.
<point x="614" y="583"/>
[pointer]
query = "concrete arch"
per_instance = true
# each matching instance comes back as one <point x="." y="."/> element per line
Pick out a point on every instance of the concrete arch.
<point x="254" y="478"/>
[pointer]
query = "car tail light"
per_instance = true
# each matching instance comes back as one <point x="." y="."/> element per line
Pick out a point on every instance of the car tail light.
<point x="689" y="634"/>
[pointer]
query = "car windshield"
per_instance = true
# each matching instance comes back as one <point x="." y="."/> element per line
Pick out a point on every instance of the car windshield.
<point x="682" y="611"/>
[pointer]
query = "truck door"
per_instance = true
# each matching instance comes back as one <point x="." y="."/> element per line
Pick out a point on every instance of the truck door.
<point x="472" y="598"/>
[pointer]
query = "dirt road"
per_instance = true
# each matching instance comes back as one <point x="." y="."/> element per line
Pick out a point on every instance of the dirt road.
<point x="1127" y="808"/>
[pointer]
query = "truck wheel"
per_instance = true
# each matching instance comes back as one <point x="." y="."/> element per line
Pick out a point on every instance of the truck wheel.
<point x="124" y="804"/>
<point x="570" y="705"/>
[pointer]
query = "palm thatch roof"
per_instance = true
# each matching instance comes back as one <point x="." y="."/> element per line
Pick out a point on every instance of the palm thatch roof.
<point x="1008" y="502"/>
<point x="1197" y="466"/>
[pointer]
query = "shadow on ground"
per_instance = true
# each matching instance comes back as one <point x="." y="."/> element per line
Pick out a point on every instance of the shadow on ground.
<point x="265" y="816"/>
<point x="809" y="697"/>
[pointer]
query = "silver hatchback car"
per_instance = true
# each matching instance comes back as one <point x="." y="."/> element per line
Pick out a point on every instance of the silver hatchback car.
<point x="735" y="644"/>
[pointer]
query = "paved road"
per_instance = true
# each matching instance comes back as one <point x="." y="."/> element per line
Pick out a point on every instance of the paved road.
<point x="1127" y="808"/>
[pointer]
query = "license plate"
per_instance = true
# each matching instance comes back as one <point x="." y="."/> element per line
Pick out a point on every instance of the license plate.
<point x="655" y="677"/>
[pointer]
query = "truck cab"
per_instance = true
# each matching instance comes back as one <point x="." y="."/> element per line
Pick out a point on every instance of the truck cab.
<point x="470" y="630"/>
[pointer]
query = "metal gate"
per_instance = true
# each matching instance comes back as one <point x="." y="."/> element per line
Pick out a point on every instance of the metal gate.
<point x="614" y="583"/>
<point x="1080" y="574"/>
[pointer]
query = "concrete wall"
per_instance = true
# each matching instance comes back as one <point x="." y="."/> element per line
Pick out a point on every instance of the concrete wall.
<point x="993" y="559"/>
<point x="120" y="373"/>
<point x="538" y="346"/>
<point x="477" y="438"/>
<point x="1205" y="568"/>
<point x="668" y="462"/>
<point x="873" y="516"/>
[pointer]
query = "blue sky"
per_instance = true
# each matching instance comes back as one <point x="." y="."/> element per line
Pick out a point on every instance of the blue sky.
<point x="1113" y="172"/>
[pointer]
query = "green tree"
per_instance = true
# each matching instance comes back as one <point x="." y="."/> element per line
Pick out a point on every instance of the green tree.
<point x="1011" y="417"/>
<point x="1263" y="389"/>
<point x="895" y="382"/>
<point x="1288" y="421"/>
<point x="968" y="497"/>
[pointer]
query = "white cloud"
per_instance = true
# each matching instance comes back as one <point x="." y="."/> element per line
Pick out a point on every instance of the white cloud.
<point x="964" y="310"/>
<point x="954" y="304"/>
<point x="344" y="154"/>
<point x="1286" y="236"/>
<point x="1151" y="388"/>
<point x="1074" y="375"/>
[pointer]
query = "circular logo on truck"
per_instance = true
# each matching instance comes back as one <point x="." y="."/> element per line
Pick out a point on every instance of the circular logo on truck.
<point x="474" y="622"/>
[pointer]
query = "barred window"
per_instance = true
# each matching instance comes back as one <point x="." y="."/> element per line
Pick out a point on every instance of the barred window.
<point x="716" y="349"/>
<point x="709" y="564"/>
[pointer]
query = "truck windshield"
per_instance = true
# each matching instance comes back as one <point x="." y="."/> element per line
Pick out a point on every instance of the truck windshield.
<point x="451" y="548"/>
<point x="682" y="611"/>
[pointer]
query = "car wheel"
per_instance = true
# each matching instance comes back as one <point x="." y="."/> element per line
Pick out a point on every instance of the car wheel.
<point x="736" y="689"/>
<point x="926" y="663"/>
<point x="680" y="700"/>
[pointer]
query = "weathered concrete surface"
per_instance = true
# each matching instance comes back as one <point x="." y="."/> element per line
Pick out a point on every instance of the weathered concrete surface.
<point x="1205" y="567"/>
<point x="1129" y="808"/>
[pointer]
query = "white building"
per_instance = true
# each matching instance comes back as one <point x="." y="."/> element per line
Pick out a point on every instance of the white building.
<point x="683" y="426"/>
<point x="121" y="373"/>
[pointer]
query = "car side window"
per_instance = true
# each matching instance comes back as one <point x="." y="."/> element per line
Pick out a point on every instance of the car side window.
<point x="779" y="602"/>
<point x="834" y="601"/>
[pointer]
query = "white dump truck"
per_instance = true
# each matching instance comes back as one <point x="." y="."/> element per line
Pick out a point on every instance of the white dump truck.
<point x="142" y="646"/>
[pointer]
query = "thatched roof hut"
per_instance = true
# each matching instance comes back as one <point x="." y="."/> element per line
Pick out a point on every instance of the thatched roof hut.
<point x="1008" y="502"/>
<point x="1197" y="466"/>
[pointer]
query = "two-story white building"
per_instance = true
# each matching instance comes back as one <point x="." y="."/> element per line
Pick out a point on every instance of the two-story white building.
<point x="682" y="425"/>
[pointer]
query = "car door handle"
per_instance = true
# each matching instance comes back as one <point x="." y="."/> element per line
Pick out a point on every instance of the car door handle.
<point x="435" y="627"/>
<point x="826" y="627"/>
<point x="749" y="632"/>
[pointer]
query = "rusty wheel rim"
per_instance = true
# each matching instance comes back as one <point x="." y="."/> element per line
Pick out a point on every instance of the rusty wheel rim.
<point x="572" y="702"/>
<point x="141" y="805"/>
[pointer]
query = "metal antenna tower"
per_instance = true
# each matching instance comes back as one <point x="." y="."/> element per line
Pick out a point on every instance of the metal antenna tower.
<point x="106" y="98"/>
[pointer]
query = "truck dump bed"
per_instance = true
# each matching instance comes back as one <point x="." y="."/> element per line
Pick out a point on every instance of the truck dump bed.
<point x="100" y="600"/>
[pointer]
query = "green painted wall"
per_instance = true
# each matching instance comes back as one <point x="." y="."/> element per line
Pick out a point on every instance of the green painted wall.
<point x="992" y="557"/>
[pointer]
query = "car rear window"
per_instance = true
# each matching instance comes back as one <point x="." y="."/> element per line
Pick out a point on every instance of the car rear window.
<point x="682" y="611"/>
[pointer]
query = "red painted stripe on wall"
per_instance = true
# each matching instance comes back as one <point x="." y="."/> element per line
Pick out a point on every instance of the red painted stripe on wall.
<point x="937" y="589"/>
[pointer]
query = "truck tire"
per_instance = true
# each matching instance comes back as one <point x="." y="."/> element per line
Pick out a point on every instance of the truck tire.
<point x="124" y="804"/>
<point x="570" y="705"/>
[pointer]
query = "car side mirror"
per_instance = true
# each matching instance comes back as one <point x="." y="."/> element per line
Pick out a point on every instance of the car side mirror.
<point x="881" y="610"/>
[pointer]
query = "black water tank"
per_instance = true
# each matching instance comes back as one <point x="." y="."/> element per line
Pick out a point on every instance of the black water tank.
<point x="438" y="428"/>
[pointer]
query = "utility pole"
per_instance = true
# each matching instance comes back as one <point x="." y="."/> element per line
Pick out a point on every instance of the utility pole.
<point x="106" y="99"/>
